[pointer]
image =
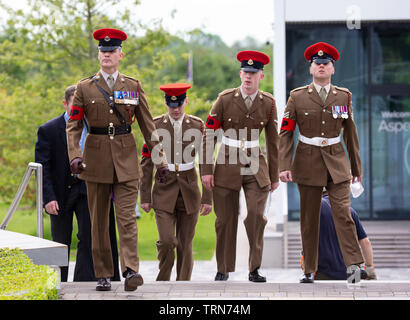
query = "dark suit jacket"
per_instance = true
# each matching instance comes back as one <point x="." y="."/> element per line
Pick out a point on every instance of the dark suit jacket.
<point x="51" y="152"/>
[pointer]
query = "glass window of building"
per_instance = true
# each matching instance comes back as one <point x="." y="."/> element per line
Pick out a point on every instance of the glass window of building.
<point x="375" y="66"/>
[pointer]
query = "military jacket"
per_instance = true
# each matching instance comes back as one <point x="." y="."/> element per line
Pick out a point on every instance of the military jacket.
<point x="180" y="148"/>
<point x="230" y="114"/>
<point x="316" y="119"/>
<point x="104" y="157"/>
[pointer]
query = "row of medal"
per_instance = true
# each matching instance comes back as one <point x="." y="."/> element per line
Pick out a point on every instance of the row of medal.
<point x="126" y="97"/>
<point x="340" y="112"/>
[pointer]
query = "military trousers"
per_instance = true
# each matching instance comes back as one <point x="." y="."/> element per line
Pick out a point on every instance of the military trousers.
<point x="125" y="199"/>
<point x="226" y="207"/>
<point x="175" y="230"/>
<point x="310" y="200"/>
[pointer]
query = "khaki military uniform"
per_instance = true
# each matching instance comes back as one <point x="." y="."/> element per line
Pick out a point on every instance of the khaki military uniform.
<point x="315" y="167"/>
<point x="111" y="166"/>
<point x="230" y="113"/>
<point x="177" y="202"/>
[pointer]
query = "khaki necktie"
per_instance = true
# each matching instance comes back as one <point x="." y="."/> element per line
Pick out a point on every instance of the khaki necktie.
<point x="177" y="126"/>
<point x="110" y="82"/>
<point x="322" y="94"/>
<point x="248" y="102"/>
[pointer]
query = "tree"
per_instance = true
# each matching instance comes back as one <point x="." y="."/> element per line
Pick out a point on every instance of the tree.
<point x="48" y="48"/>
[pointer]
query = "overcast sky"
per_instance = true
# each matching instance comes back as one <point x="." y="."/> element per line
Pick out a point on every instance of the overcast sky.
<point x="232" y="20"/>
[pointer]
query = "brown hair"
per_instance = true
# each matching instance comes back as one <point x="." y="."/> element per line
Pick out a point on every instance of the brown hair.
<point x="69" y="92"/>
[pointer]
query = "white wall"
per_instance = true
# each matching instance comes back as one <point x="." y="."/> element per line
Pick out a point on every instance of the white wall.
<point x="342" y="10"/>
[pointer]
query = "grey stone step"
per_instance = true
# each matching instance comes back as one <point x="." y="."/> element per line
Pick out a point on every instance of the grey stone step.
<point x="41" y="251"/>
<point x="389" y="249"/>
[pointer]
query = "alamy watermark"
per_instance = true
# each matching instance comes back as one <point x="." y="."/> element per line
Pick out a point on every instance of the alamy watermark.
<point x="354" y="18"/>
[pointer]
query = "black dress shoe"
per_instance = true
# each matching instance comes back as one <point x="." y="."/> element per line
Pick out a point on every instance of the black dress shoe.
<point x="132" y="280"/>
<point x="221" y="276"/>
<point x="254" y="276"/>
<point x="103" y="284"/>
<point x="307" y="278"/>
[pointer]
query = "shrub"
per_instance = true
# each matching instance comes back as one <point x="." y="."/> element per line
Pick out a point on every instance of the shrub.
<point x="21" y="279"/>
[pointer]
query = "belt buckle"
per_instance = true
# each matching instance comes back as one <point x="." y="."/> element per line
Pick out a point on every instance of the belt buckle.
<point x="176" y="167"/>
<point x="324" y="142"/>
<point x="111" y="131"/>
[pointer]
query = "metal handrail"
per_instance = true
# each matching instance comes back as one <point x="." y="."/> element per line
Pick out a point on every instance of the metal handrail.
<point x="38" y="168"/>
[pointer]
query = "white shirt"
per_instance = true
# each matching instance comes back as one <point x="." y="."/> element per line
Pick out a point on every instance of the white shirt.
<point x="105" y="75"/>
<point x="252" y="96"/>
<point x="318" y="87"/>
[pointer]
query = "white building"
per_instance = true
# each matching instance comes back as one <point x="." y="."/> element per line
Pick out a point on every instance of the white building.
<point x="373" y="38"/>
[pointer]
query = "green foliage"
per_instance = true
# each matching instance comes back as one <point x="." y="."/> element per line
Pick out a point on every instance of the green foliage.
<point x="20" y="279"/>
<point x="49" y="47"/>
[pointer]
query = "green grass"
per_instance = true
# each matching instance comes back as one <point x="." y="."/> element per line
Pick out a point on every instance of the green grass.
<point x="24" y="221"/>
<point x="20" y="279"/>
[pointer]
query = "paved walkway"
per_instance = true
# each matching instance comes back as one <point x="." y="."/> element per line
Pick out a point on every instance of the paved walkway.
<point x="170" y="290"/>
<point x="393" y="284"/>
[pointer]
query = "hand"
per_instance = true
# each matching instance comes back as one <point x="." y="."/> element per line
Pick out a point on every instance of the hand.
<point x="274" y="186"/>
<point x="52" y="207"/>
<point x="208" y="181"/>
<point x="371" y="273"/>
<point x="205" y="209"/>
<point x="286" y="176"/>
<point x="146" y="206"/>
<point x="163" y="174"/>
<point x="76" y="165"/>
<point x="357" y="178"/>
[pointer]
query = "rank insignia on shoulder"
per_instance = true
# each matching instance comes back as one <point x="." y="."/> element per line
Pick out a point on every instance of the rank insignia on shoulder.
<point x="126" y="97"/>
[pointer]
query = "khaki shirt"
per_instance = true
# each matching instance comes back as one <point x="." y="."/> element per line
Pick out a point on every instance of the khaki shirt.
<point x="104" y="157"/>
<point x="315" y="119"/>
<point x="180" y="149"/>
<point x="230" y="114"/>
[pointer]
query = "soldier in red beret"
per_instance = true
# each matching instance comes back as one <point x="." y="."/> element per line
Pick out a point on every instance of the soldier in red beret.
<point x="111" y="102"/>
<point x="242" y="113"/>
<point x="321" y="110"/>
<point x="177" y="203"/>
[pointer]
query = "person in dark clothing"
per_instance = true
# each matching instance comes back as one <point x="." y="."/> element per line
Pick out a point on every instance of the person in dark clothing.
<point x="331" y="265"/>
<point x="65" y="194"/>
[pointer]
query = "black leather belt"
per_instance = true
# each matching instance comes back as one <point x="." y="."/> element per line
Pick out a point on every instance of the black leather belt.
<point x="111" y="130"/>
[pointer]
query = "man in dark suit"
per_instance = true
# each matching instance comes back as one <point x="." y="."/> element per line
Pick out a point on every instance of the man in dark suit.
<point x="64" y="194"/>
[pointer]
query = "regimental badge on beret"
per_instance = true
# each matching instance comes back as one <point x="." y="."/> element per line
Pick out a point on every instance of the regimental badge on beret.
<point x="109" y="39"/>
<point x="252" y="61"/>
<point x="321" y="52"/>
<point x="175" y="93"/>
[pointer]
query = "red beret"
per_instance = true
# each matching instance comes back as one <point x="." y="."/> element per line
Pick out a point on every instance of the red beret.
<point x="110" y="33"/>
<point x="321" y="49"/>
<point x="175" y="93"/>
<point x="252" y="61"/>
<point x="254" y="56"/>
<point x="175" y="89"/>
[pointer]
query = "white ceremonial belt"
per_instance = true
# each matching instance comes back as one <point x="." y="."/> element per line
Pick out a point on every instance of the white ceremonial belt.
<point x="181" y="166"/>
<point x="240" y="143"/>
<point x="318" y="141"/>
